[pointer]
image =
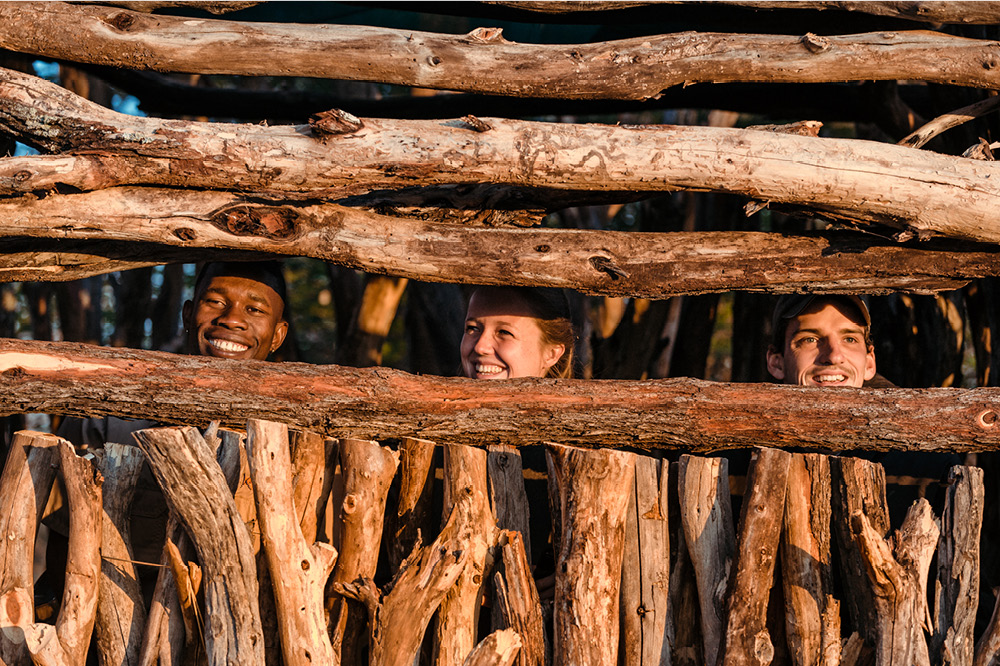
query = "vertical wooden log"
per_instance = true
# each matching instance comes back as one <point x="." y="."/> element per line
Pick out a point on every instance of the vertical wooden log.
<point x="858" y="485"/>
<point x="594" y="487"/>
<point x="299" y="569"/>
<point x="645" y="613"/>
<point x="498" y="649"/>
<point x="458" y="618"/>
<point x="508" y="496"/>
<point x="956" y="597"/>
<point x="66" y="643"/>
<point x="684" y="635"/>
<point x="164" y="639"/>
<point x="197" y="492"/>
<point x="368" y="470"/>
<point x="517" y="599"/>
<point x="707" y="517"/>
<point x="898" y="568"/>
<point x="24" y="488"/>
<point x="812" y="614"/>
<point x="311" y="481"/>
<point x="746" y="639"/>
<point x="416" y="489"/>
<point x="121" y="612"/>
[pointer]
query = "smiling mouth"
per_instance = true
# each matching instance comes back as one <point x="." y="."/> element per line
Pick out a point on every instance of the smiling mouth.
<point x="830" y="378"/>
<point x="488" y="369"/>
<point x="227" y="346"/>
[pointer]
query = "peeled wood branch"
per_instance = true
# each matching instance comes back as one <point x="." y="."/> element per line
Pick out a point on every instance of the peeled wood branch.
<point x="380" y="403"/>
<point x="653" y="265"/>
<point x="858" y="180"/>
<point x="636" y="68"/>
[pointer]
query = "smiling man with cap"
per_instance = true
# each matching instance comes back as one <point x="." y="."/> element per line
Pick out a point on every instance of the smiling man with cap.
<point x="821" y="340"/>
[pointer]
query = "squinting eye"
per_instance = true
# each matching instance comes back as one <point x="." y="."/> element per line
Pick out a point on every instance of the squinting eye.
<point x="470" y="329"/>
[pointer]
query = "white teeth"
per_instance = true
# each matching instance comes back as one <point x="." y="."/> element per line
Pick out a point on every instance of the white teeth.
<point x="488" y="369"/>
<point x="830" y="378"/>
<point x="228" y="346"/>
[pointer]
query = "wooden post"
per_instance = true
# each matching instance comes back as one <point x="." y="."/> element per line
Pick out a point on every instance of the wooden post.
<point x="593" y="487"/>
<point x="164" y="639"/>
<point x="66" y="643"/>
<point x="498" y="649"/>
<point x="121" y="611"/>
<point x="416" y="488"/>
<point x="312" y="480"/>
<point x="858" y="485"/>
<point x="508" y="497"/>
<point x="517" y="600"/>
<point x="298" y="568"/>
<point x="707" y="517"/>
<point x="197" y="492"/>
<point x="458" y="618"/>
<point x="645" y="610"/>
<point x="812" y="614"/>
<point x="24" y="488"/>
<point x="747" y="640"/>
<point x="368" y="470"/>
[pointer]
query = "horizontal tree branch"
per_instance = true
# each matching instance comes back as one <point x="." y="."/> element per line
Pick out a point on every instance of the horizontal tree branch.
<point x="929" y="12"/>
<point x="380" y="403"/>
<point x="157" y="226"/>
<point x="483" y="61"/>
<point x="923" y="193"/>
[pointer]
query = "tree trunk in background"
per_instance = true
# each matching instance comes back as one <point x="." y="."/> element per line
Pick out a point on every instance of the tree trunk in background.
<point x="435" y="320"/>
<point x="751" y="336"/>
<point x="636" y="342"/>
<point x="133" y="296"/>
<point x="918" y="339"/>
<point x="166" y="312"/>
<point x="371" y="322"/>
<point x="694" y="337"/>
<point x="984" y="326"/>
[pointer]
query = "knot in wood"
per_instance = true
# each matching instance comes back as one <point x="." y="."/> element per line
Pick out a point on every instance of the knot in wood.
<point x="814" y="43"/>
<point x="607" y="266"/>
<point x="185" y="234"/>
<point x="434" y="61"/>
<point x="987" y="419"/>
<point x="333" y="122"/>
<point x="262" y="221"/>
<point x="488" y="36"/>
<point x="542" y="248"/>
<point x="305" y="565"/>
<point x="22" y="176"/>
<point x="477" y="124"/>
<point x="121" y="22"/>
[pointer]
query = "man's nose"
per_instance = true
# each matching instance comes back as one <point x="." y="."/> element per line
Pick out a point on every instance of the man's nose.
<point x="832" y="351"/>
<point x="232" y="317"/>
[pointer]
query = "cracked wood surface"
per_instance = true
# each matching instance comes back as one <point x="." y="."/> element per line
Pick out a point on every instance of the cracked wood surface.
<point x="634" y="68"/>
<point x="379" y="403"/>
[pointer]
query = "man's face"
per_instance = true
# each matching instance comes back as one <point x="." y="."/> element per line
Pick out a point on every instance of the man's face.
<point x="824" y="346"/>
<point x="235" y="317"/>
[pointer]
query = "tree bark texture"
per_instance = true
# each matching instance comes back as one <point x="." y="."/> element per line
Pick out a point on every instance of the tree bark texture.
<point x="86" y="234"/>
<point x="508" y="496"/>
<point x="956" y="595"/>
<point x="465" y="475"/>
<point x="516" y="598"/>
<point x="645" y="587"/>
<point x="121" y="610"/>
<point x="412" y="520"/>
<point x="746" y="639"/>
<point x="24" y="488"/>
<point x="858" y="486"/>
<point x="812" y="613"/>
<point x="312" y="481"/>
<point x="198" y="493"/>
<point x="920" y="192"/>
<point x="66" y="643"/>
<point x="498" y="649"/>
<point x="381" y="403"/>
<point x="707" y="518"/>
<point x="299" y="568"/>
<point x="164" y="639"/>
<point x="368" y="470"/>
<point x="594" y="488"/>
<point x="637" y="68"/>
<point x="898" y="571"/>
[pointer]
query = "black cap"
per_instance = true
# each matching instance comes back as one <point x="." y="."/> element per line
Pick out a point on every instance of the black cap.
<point x="791" y="305"/>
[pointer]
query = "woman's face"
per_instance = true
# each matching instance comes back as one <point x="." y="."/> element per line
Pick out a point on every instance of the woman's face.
<point x="502" y="338"/>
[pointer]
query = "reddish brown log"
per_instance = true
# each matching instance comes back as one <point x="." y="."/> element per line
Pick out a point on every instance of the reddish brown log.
<point x="637" y="68"/>
<point x="299" y="568"/>
<point x="898" y="570"/>
<point x="368" y="470"/>
<point x="458" y="617"/>
<point x="312" y="480"/>
<point x="24" y="488"/>
<point x="706" y="514"/>
<point x="812" y="620"/>
<point x="121" y="611"/>
<point x="383" y="403"/>
<point x="746" y="639"/>
<point x="594" y="488"/>
<point x="66" y="643"/>
<point x="197" y="491"/>
<point x="654" y="265"/>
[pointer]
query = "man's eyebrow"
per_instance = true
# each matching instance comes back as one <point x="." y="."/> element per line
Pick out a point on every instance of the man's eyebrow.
<point x="846" y="329"/>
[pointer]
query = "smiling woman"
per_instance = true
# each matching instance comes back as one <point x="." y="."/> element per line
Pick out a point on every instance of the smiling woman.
<point x="517" y="332"/>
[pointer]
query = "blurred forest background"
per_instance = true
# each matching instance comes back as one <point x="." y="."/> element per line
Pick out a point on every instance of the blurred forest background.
<point x="346" y="317"/>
